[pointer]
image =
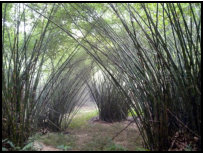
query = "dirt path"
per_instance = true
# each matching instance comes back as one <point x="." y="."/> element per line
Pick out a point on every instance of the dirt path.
<point x="95" y="134"/>
<point x="39" y="146"/>
<point x="98" y="130"/>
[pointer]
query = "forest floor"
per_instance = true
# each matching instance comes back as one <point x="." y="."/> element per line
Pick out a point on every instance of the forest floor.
<point x="87" y="133"/>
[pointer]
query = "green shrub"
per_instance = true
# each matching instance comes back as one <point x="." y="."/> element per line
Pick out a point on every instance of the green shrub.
<point x="58" y="139"/>
<point x="8" y="145"/>
<point x="110" y="101"/>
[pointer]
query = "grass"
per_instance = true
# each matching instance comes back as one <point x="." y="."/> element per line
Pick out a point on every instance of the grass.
<point x="81" y="119"/>
<point x="130" y="113"/>
<point x="58" y="140"/>
<point x="99" y="143"/>
<point x="95" y="136"/>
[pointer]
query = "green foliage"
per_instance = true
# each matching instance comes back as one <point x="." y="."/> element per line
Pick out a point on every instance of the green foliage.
<point x="103" y="144"/>
<point x="141" y="149"/>
<point x="188" y="148"/>
<point x="58" y="139"/>
<point x="155" y="47"/>
<point x="110" y="101"/>
<point x="12" y="147"/>
<point x="66" y="91"/>
<point x="63" y="147"/>
<point x="114" y="147"/>
<point x="11" y="144"/>
<point x="81" y="119"/>
<point x="159" y="53"/>
<point x="132" y="113"/>
<point x="22" y="64"/>
<point x="29" y="146"/>
<point x="4" y="149"/>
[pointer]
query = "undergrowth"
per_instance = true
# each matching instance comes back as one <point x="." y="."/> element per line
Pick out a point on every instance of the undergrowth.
<point x="58" y="140"/>
<point x="81" y="119"/>
<point x="103" y="144"/>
